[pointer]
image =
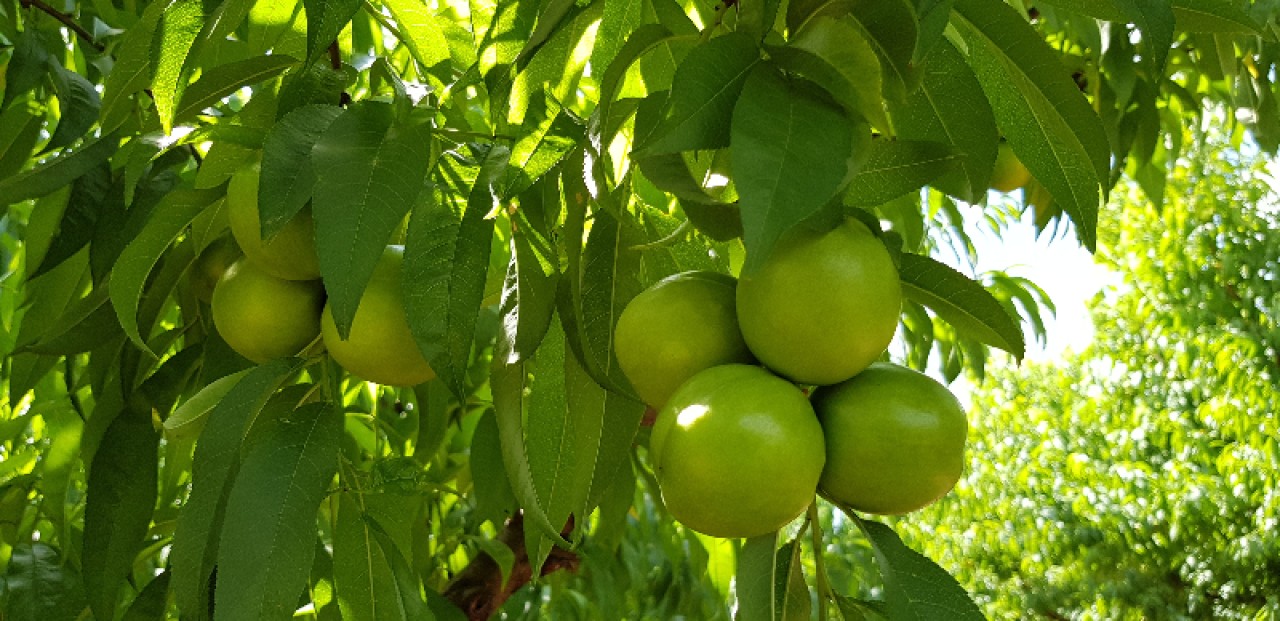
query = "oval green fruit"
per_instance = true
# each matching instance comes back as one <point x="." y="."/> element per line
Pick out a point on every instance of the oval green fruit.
<point x="208" y="268"/>
<point x="380" y="347"/>
<point x="737" y="452"/>
<point x="1009" y="173"/>
<point x="291" y="253"/>
<point x="895" y="440"/>
<point x="683" y="324"/>
<point x="263" y="317"/>
<point x="823" y="306"/>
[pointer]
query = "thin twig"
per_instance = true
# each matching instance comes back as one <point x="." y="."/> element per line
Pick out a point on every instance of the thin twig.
<point x="69" y="377"/>
<point x="66" y="20"/>
<point x="335" y="56"/>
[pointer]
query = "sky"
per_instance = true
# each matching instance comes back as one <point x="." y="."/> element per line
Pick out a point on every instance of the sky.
<point x="1060" y="266"/>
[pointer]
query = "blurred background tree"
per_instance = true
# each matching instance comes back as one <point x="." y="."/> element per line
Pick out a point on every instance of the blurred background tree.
<point x="1140" y="478"/>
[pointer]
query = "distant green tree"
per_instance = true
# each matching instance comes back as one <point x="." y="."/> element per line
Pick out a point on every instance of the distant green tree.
<point x="1140" y="478"/>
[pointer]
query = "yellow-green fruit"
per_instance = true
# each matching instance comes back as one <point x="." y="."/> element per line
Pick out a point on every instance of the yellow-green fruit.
<point x="737" y="452"/>
<point x="208" y="268"/>
<point x="380" y="347"/>
<point x="681" y="325"/>
<point x="291" y="253"/>
<point x="895" y="440"/>
<point x="264" y="317"/>
<point x="1009" y="173"/>
<point x="823" y="306"/>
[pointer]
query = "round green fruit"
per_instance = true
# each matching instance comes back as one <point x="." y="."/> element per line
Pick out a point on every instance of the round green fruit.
<point x="681" y="325"/>
<point x="823" y="306"/>
<point x="380" y="347"/>
<point x="208" y="268"/>
<point x="737" y="452"/>
<point x="1009" y="173"/>
<point x="264" y="317"/>
<point x="291" y="253"/>
<point x="895" y="440"/>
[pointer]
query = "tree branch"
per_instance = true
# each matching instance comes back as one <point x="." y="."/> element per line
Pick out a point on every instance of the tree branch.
<point x="66" y="21"/>
<point x="478" y="589"/>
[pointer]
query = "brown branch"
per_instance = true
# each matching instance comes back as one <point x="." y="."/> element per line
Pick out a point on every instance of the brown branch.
<point x="335" y="61"/>
<point x="66" y="20"/>
<point x="478" y="589"/>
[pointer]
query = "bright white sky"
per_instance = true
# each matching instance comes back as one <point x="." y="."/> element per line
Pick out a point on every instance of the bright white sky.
<point x="1060" y="266"/>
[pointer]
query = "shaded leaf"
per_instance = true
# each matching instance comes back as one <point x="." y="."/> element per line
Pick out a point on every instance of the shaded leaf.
<point x="781" y="178"/>
<point x="915" y="587"/>
<point x="129" y="276"/>
<point x="961" y="302"/>
<point x="368" y="175"/>
<point x="288" y="176"/>
<point x="897" y="167"/>
<point x="1047" y="120"/>
<point x="216" y="461"/>
<point x="121" y="498"/>
<point x="271" y="514"/>
<point x="703" y="93"/>
<point x="949" y="108"/>
<point x="223" y="80"/>
<point x="445" y="264"/>
<point x="57" y="173"/>
<point x="757" y="581"/>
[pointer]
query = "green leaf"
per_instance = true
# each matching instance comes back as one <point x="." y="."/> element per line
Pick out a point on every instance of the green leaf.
<point x="620" y="19"/>
<point x="78" y="106"/>
<point x="79" y="218"/>
<point x="133" y="67"/>
<point x="20" y="128"/>
<point x="898" y="167"/>
<point x="176" y="34"/>
<point x="83" y="325"/>
<point x="1214" y="16"/>
<point x="271" y="514"/>
<point x="757" y="580"/>
<point x="445" y="264"/>
<point x="790" y="590"/>
<point x="186" y="422"/>
<point x="366" y="588"/>
<point x="949" y="108"/>
<point x="129" y="276"/>
<point x="40" y="586"/>
<point x="57" y="173"/>
<point x="555" y="69"/>
<point x="513" y="395"/>
<point x="1046" y="119"/>
<point x="223" y="80"/>
<point x="781" y="177"/>
<point x="27" y="66"/>
<point x="408" y="594"/>
<point x="915" y="587"/>
<point x="368" y="175"/>
<point x="494" y="499"/>
<point x="529" y="290"/>
<point x="216" y="461"/>
<point x="961" y="302"/>
<point x="703" y="93"/>
<point x="550" y="134"/>
<point x="562" y="443"/>
<point x="890" y="26"/>
<point x="424" y="36"/>
<point x="325" y="20"/>
<point x="934" y="16"/>
<point x="835" y="55"/>
<point x="152" y="604"/>
<point x="594" y="292"/>
<point x="121" y="498"/>
<point x="615" y="421"/>
<point x="288" y="176"/>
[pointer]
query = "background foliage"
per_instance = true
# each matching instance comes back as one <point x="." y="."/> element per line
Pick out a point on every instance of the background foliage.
<point x="1137" y="479"/>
